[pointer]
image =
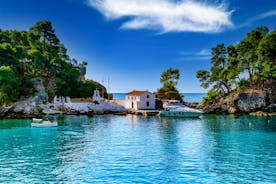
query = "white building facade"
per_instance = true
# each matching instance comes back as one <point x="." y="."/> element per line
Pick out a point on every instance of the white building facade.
<point x="140" y="100"/>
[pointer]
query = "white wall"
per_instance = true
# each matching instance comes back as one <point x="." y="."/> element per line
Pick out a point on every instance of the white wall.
<point x="147" y="97"/>
<point x="131" y="99"/>
<point x="140" y="102"/>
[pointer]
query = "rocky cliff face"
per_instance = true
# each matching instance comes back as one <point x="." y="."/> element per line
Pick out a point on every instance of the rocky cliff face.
<point x="243" y="102"/>
<point x="41" y="96"/>
<point x="32" y="106"/>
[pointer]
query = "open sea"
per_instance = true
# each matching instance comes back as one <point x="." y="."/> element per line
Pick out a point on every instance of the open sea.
<point x="136" y="149"/>
<point x="188" y="97"/>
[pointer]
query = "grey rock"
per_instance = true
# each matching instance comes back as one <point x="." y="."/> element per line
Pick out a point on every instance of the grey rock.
<point x="248" y="102"/>
<point x="31" y="106"/>
<point x="271" y="108"/>
<point x="41" y="95"/>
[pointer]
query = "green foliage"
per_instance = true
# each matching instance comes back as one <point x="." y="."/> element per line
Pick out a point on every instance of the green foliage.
<point x="247" y="51"/>
<point x="267" y="56"/>
<point x="86" y="89"/>
<point x="204" y="78"/>
<point x="255" y="56"/>
<point x="8" y="85"/>
<point x="170" y="76"/>
<point x="210" y="97"/>
<point x="39" y="53"/>
<point x="169" y="79"/>
<point x="243" y="84"/>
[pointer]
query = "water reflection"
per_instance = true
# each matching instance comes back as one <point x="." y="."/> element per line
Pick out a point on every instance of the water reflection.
<point x="135" y="149"/>
<point x="242" y="147"/>
<point x="218" y="123"/>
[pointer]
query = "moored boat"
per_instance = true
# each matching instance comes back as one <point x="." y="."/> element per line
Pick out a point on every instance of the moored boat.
<point x="179" y="110"/>
<point x="45" y="124"/>
<point x="37" y="120"/>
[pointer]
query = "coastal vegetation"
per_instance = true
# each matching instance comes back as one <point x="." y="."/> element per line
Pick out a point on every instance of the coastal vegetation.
<point x="169" y="80"/>
<point x="38" y="52"/>
<point x="250" y="64"/>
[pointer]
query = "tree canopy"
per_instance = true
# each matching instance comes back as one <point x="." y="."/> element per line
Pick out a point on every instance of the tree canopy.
<point x="169" y="79"/>
<point x="39" y="53"/>
<point x="251" y="62"/>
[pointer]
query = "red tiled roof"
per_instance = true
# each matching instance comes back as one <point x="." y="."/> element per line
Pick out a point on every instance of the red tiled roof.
<point x="135" y="92"/>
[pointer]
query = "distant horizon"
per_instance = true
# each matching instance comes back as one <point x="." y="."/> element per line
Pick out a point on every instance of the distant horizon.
<point x="133" y="46"/>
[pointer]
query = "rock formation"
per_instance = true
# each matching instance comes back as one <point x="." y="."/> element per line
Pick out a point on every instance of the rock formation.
<point x="243" y="102"/>
<point x="30" y="107"/>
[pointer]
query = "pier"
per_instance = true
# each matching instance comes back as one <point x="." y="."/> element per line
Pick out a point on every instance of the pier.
<point x="144" y="113"/>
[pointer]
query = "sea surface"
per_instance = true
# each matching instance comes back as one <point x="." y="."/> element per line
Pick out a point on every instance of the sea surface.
<point x="188" y="97"/>
<point x="135" y="149"/>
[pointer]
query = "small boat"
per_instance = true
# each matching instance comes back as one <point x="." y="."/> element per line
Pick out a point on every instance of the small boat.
<point x="37" y="120"/>
<point x="45" y="124"/>
<point x="179" y="110"/>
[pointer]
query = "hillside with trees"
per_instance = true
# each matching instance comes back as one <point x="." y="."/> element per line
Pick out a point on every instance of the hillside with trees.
<point x="38" y="52"/>
<point x="237" y="69"/>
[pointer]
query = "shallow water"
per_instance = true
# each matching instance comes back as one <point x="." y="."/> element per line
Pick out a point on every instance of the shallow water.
<point x="133" y="149"/>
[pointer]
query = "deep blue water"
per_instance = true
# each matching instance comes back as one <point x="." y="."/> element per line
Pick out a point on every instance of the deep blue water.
<point x="188" y="97"/>
<point x="133" y="149"/>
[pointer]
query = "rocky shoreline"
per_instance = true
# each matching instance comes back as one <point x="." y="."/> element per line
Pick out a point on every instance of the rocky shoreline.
<point x="39" y="106"/>
<point x="252" y="102"/>
<point x="22" y="110"/>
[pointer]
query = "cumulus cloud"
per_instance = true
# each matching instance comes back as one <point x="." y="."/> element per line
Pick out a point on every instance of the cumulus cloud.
<point x="166" y="15"/>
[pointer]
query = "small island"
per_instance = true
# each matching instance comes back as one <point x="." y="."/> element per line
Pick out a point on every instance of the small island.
<point x="242" y="77"/>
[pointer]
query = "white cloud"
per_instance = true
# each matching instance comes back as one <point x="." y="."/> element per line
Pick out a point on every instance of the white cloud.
<point x="204" y="52"/>
<point x="261" y="16"/>
<point x="166" y="15"/>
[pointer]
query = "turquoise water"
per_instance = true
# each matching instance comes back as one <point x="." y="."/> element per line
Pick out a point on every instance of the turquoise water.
<point x="133" y="149"/>
<point x="188" y="97"/>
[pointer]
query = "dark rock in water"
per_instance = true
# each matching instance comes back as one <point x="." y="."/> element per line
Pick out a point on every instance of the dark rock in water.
<point x="271" y="108"/>
<point x="90" y="113"/>
<point x="4" y="112"/>
<point x="216" y="108"/>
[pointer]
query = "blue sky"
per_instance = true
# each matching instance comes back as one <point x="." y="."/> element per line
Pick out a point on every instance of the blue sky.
<point x="132" y="41"/>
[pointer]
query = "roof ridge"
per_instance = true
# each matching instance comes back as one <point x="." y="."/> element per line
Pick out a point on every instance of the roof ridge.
<point x="136" y="92"/>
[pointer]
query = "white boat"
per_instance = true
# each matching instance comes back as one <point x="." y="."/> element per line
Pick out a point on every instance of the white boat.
<point x="37" y="120"/>
<point x="179" y="110"/>
<point x="45" y="124"/>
